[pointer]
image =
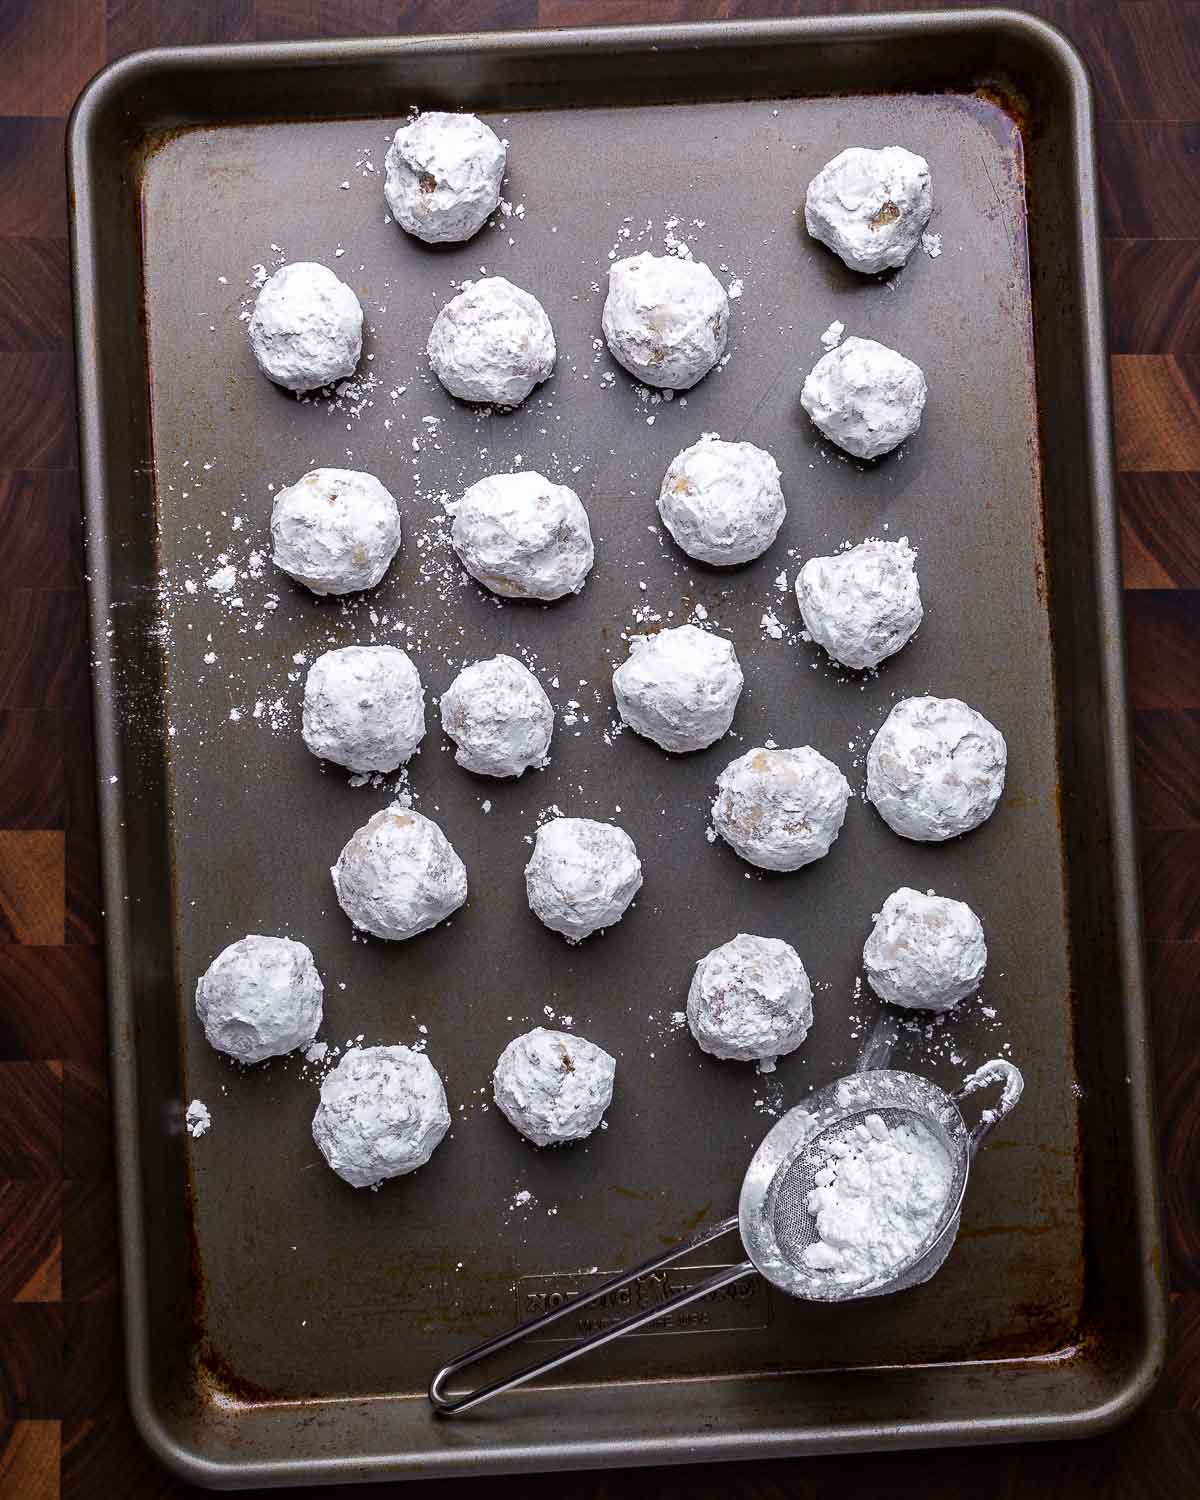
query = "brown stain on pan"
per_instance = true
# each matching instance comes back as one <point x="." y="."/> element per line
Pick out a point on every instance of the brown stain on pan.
<point x="217" y="1378"/>
<point x="688" y="1226"/>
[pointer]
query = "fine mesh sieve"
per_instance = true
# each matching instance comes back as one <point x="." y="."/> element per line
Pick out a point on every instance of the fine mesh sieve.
<point x="773" y="1216"/>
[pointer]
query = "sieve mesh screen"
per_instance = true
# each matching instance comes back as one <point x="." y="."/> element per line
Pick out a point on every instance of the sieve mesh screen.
<point x="794" y="1227"/>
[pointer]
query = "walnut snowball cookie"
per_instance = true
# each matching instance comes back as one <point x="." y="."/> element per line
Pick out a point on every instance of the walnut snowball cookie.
<point x="492" y="343"/>
<point x="865" y="397"/>
<point x="780" y="809"/>
<point x="925" y="952"/>
<point x="261" y="997"/>
<point x="442" y="176"/>
<point x="722" y="502"/>
<point x="582" y="876"/>
<point x="870" y="207"/>
<point x="935" y="769"/>
<point x="383" y="1113"/>
<point x="399" y="875"/>
<point x="335" y="531"/>
<point x="750" y="1001"/>
<point x="665" y="319"/>
<point x="364" y="708"/>
<point x="523" y="536"/>
<point x="862" y="605"/>
<point x="553" y="1086"/>
<point x="306" y="327"/>
<point x="679" y="687"/>
<point x="498" y="715"/>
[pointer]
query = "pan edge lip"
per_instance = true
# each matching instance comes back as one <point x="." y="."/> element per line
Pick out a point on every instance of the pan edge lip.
<point x="1135" y="1382"/>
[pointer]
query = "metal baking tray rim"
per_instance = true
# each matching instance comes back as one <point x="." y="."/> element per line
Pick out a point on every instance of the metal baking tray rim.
<point x="1137" y="1377"/>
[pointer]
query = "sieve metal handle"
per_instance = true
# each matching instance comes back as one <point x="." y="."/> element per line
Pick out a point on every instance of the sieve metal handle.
<point x="997" y="1071"/>
<point x="880" y="1042"/>
<point x="450" y="1406"/>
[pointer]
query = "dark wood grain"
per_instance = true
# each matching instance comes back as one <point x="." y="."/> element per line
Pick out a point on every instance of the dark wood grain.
<point x="45" y="657"/>
<point x="64" y="1427"/>
<point x="31" y="1373"/>
<point x="1160" y="530"/>
<point x="37" y="419"/>
<point x="1153" y="295"/>
<point x="31" y="1122"/>
<point x="1156" y="414"/>
<point x="1161" y="628"/>
<point x="32" y="886"/>
<point x="84" y="912"/>
<point x="39" y="520"/>
<point x="1166" y="745"/>
<point x="284" y="20"/>
<point x="1182" y="1380"/>
<point x="87" y="1121"/>
<point x="35" y="303"/>
<point x="1174" y="974"/>
<point x="31" y="1241"/>
<point x="89" y="1238"/>
<point x="33" y="790"/>
<point x="83" y="849"/>
<point x="1170" y="860"/>
<point x="131" y="25"/>
<point x="48" y="53"/>
<point x="48" y="1003"/>
<point x="1144" y="55"/>
<point x="1148" y="170"/>
<point x="29" y="1459"/>
<point x="33" y="186"/>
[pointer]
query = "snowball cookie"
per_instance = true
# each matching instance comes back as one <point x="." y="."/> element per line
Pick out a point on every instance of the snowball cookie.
<point x="750" y="1000"/>
<point x="552" y="1086"/>
<point x="399" y="875"/>
<point x="335" y="531"/>
<point x="498" y="715"/>
<point x="523" y="536"/>
<point x="442" y="176"/>
<point x="722" y="501"/>
<point x="863" y="604"/>
<point x="665" y="319"/>
<point x="865" y="397"/>
<point x="306" y="327"/>
<point x="925" y="952"/>
<point x="679" y="687"/>
<point x="492" y="343"/>
<point x="382" y="1113"/>
<point x="780" y="809"/>
<point x="582" y="876"/>
<point x="870" y="207"/>
<point x="261" y="997"/>
<point x="935" y="769"/>
<point x="364" y="708"/>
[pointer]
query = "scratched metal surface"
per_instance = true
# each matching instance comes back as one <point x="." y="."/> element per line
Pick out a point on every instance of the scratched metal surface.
<point x="312" y="1289"/>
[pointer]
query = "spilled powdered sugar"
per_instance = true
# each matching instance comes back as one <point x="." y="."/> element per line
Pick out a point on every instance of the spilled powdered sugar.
<point x="832" y="336"/>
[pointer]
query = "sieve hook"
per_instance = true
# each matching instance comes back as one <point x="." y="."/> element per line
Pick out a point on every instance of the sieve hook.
<point x="450" y="1406"/>
<point x="998" y="1071"/>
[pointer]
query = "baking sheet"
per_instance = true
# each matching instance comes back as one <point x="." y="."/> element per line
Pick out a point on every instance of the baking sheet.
<point x="310" y="1297"/>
